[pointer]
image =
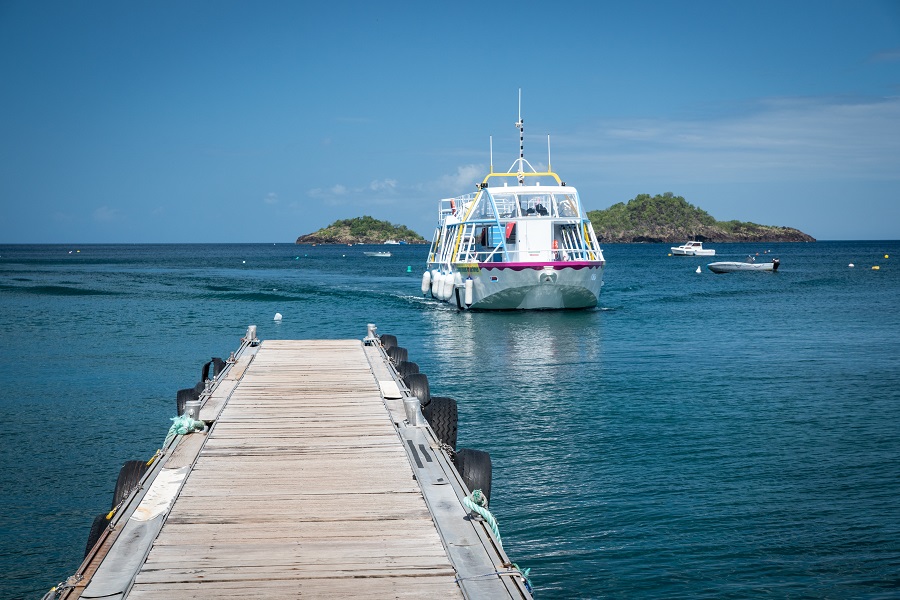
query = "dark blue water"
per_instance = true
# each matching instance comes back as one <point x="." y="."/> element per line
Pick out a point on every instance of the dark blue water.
<point x="698" y="436"/>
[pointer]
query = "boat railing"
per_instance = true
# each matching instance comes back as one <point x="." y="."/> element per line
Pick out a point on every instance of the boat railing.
<point x="454" y="206"/>
<point x="495" y="255"/>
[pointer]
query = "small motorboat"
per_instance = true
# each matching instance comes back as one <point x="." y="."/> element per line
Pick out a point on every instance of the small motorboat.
<point x="378" y="254"/>
<point x="692" y="249"/>
<point x="748" y="265"/>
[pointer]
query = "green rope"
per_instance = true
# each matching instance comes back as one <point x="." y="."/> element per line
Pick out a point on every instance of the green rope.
<point x="476" y="502"/>
<point x="181" y="426"/>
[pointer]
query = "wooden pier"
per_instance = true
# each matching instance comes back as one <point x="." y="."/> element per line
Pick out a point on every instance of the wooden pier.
<point x="311" y="480"/>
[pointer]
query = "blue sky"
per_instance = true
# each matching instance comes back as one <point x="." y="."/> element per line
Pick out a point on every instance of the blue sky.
<point x="226" y="121"/>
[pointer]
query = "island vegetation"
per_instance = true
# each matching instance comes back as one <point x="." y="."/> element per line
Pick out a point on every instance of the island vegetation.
<point x="669" y="218"/>
<point x="661" y="218"/>
<point x="362" y="230"/>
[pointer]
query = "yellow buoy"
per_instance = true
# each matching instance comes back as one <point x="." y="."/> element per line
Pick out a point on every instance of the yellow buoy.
<point x="885" y="255"/>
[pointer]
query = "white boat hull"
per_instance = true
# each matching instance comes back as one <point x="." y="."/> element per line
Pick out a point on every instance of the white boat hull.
<point x="528" y="286"/>
<point x="704" y="252"/>
<point x="733" y="267"/>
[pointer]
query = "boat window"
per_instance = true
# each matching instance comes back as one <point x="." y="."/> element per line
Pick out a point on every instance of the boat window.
<point x="506" y="205"/>
<point x="482" y="209"/>
<point x="535" y="205"/>
<point x="567" y="205"/>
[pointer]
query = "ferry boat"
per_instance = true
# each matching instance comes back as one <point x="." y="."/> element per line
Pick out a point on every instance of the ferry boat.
<point x="521" y="241"/>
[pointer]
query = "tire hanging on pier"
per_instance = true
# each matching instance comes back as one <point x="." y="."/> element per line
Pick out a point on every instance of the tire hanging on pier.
<point x="388" y="341"/>
<point x="217" y="365"/>
<point x="418" y="387"/>
<point x="100" y="523"/>
<point x="184" y="396"/>
<point x="397" y="355"/>
<point x="475" y="468"/>
<point x="129" y="476"/>
<point x="406" y="368"/>
<point x="442" y="415"/>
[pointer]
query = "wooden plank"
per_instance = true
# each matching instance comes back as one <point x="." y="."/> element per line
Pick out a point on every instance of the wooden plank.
<point x="237" y="369"/>
<point x="213" y="406"/>
<point x="187" y="449"/>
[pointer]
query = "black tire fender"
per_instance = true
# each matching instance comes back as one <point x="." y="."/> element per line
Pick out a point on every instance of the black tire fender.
<point x="129" y="476"/>
<point x="406" y="368"/>
<point x="442" y="415"/>
<point x="388" y="341"/>
<point x="100" y="523"/>
<point x="397" y="355"/>
<point x="475" y="468"/>
<point x="217" y="365"/>
<point x="183" y="396"/>
<point x="418" y="387"/>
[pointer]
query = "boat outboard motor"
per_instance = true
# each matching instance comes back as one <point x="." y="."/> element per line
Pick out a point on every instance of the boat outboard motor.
<point x="775" y="263"/>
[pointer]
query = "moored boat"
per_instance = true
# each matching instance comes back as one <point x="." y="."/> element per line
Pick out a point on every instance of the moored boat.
<point x="749" y="265"/>
<point x="378" y="254"/>
<point x="692" y="249"/>
<point x="521" y="241"/>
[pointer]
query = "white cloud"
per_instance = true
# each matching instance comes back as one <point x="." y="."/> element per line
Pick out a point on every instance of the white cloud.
<point x="785" y="139"/>
<point x="105" y="214"/>
<point x="271" y="198"/>
<point x="328" y="193"/>
<point x="463" y="180"/>
<point x="887" y="55"/>
<point x="383" y="185"/>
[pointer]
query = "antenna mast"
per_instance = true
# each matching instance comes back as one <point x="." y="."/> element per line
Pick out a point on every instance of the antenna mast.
<point x="549" y="168"/>
<point x="520" y="124"/>
<point x="491" y="138"/>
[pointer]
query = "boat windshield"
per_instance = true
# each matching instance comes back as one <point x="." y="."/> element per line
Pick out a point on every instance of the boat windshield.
<point x="515" y="204"/>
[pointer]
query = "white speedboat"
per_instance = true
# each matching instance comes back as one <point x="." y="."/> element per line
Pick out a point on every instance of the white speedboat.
<point x="522" y="241"/>
<point x="378" y="254"/>
<point x="692" y="249"/>
<point x="749" y="265"/>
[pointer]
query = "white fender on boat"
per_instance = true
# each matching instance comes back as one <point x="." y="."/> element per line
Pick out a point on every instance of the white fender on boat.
<point x="455" y="280"/>
<point x="435" y="283"/>
<point x="469" y="284"/>
<point x="448" y="286"/>
<point x="438" y="291"/>
<point x="426" y="282"/>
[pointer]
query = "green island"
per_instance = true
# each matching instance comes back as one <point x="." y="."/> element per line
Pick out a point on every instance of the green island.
<point x="669" y="218"/>
<point x="362" y="230"/>
<point x="661" y="218"/>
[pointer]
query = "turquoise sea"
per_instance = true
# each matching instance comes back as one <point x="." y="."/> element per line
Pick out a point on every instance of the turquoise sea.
<point x="696" y="436"/>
